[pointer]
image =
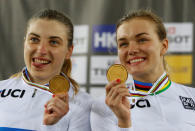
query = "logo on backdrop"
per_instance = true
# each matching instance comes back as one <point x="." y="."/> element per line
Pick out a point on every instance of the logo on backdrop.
<point x="104" y="38"/>
<point x="180" y="36"/>
<point x="81" y="34"/>
<point x="188" y="103"/>
<point x="99" y="66"/>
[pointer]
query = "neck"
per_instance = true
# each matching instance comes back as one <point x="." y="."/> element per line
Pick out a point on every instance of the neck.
<point x="148" y="77"/>
<point x="39" y="81"/>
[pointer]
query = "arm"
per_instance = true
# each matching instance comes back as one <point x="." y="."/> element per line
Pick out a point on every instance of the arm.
<point x="116" y="100"/>
<point x="56" y="108"/>
<point x="80" y="117"/>
<point x="77" y="118"/>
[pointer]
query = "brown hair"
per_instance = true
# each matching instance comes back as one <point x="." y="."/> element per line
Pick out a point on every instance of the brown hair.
<point x="147" y="14"/>
<point x="62" y="18"/>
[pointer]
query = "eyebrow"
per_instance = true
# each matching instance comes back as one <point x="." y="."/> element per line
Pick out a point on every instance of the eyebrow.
<point x="121" y="39"/>
<point x="34" y="34"/>
<point x="55" y="37"/>
<point x="140" y="34"/>
<point x="51" y="37"/>
<point x="137" y="35"/>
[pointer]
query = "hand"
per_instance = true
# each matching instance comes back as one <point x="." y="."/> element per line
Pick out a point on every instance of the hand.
<point x="56" y="108"/>
<point x="116" y="93"/>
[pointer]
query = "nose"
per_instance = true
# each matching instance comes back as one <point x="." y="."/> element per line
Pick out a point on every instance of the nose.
<point x="42" y="48"/>
<point x="133" y="48"/>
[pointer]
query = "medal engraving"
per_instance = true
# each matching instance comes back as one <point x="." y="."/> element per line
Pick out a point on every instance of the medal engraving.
<point x="117" y="71"/>
<point x="59" y="84"/>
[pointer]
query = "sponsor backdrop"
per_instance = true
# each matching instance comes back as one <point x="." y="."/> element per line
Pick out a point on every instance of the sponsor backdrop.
<point x="95" y="47"/>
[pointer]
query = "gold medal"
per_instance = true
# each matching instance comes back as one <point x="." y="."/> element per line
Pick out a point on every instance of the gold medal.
<point x="59" y="84"/>
<point x="117" y="71"/>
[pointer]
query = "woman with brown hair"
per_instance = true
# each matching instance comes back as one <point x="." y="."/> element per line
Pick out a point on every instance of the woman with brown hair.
<point x="26" y="100"/>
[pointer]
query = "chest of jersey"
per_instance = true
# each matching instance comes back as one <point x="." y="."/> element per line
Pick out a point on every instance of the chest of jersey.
<point x="21" y="106"/>
<point x="169" y="111"/>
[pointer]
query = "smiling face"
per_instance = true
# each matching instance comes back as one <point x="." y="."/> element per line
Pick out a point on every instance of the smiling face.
<point x="140" y="50"/>
<point x="45" y="49"/>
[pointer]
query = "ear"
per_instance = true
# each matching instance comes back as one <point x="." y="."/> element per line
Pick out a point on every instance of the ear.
<point x="69" y="52"/>
<point x="164" y="47"/>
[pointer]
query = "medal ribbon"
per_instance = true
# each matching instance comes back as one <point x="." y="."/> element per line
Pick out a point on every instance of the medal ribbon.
<point x="140" y="89"/>
<point x="45" y="87"/>
<point x="26" y="78"/>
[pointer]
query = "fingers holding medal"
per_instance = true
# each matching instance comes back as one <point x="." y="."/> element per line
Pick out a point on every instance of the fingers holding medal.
<point x="116" y="91"/>
<point x="58" y="106"/>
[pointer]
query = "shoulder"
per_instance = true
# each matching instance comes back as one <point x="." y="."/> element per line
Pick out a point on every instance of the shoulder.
<point x="99" y="107"/>
<point x="83" y="95"/>
<point x="82" y="99"/>
<point x="182" y="88"/>
<point x="10" y="81"/>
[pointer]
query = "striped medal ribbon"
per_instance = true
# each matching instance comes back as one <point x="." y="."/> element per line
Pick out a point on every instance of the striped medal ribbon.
<point x="26" y="78"/>
<point x="141" y="89"/>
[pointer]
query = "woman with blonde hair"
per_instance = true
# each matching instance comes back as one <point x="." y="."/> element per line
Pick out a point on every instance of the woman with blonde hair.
<point x="161" y="105"/>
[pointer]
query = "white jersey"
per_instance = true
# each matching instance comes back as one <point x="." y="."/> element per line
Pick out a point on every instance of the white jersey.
<point x="171" y="110"/>
<point x="22" y="108"/>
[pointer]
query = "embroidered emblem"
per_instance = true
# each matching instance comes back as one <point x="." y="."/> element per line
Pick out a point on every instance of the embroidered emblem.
<point x="188" y="103"/>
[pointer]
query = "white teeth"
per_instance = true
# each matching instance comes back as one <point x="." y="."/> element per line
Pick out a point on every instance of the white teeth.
<point x="136" y="60"/>
<point x="41" y="61"/>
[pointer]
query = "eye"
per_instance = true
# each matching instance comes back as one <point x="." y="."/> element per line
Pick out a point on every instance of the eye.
<point x="54" y="42"/>
<point x="34" y="40"/>
<point x="142" y="40"/>
<point x="123" y="44"/>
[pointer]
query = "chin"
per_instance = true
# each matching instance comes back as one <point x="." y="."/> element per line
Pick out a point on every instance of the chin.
<point x="136" y="72"/>
<point x="39" y="74"/>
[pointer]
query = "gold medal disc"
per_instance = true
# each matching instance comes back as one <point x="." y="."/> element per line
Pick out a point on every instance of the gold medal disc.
<point x="117" y="71"/>
<point x="59" y="84"/>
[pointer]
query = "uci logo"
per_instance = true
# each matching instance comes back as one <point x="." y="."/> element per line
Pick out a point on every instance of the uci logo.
<point x="13" y="93"/>
<point x="141" y="103"/>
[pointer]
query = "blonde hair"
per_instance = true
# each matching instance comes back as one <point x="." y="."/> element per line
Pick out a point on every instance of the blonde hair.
<point x="19" y="74"/>
<point x="66" y="69"/>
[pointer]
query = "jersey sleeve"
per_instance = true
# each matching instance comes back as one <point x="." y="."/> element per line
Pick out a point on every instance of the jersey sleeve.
<point x="61" y="125"/>
<point x="78" y="117"/>
<point x="103" y="119"/>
